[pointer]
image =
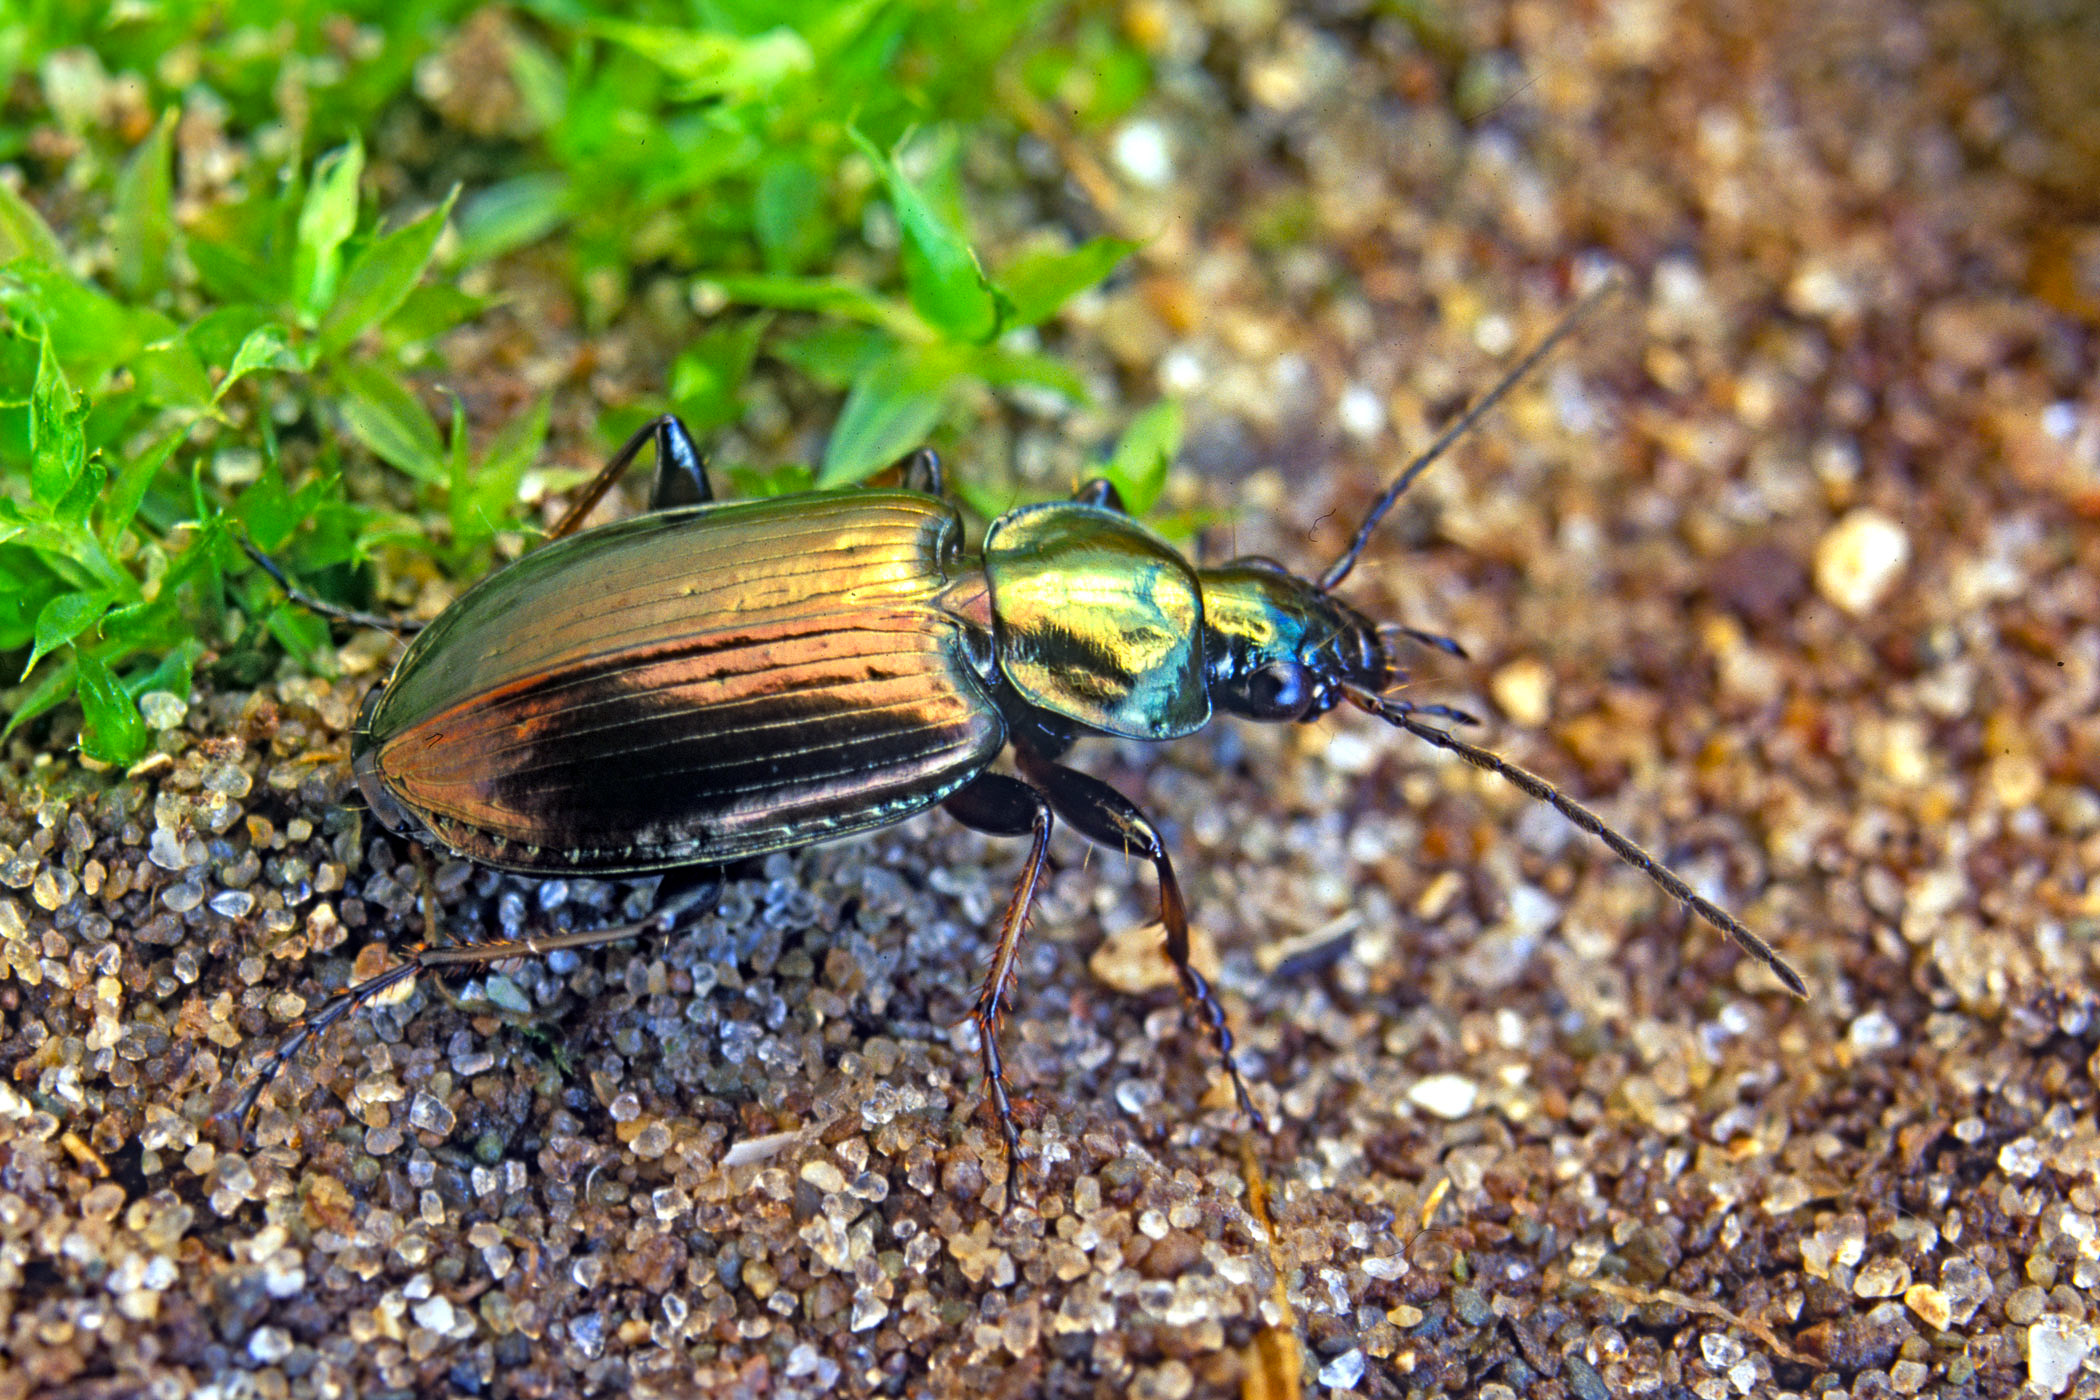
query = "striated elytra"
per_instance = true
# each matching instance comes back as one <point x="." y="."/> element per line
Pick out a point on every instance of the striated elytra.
<point x="716" y="680"/>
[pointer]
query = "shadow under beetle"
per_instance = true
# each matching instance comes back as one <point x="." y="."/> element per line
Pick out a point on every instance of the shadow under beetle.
<point x="715" y="680"/>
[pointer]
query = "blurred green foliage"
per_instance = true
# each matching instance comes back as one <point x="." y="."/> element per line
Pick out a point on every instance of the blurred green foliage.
<point x="202" y="263"/>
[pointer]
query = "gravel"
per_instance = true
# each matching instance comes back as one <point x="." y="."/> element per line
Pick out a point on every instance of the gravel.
<point x="1792" y="556"/>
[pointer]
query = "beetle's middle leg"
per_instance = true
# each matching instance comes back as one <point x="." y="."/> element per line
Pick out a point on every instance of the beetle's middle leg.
<point x="1108" y="818"/>
<point x="1001" y="806"/>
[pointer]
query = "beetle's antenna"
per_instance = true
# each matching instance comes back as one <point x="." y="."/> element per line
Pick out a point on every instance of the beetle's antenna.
<point x="1399" y="714"/>
<point x="398" y="626"/>
<point x="1339" y="570"/>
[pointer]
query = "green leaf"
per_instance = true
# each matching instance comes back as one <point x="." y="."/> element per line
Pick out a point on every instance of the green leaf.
<point x="24" y="234"/>
<point x="265" y="347"/>
<point x="57" y="448"/>
<point x="266" y="510"/>
<point x="145" y="213"/>
<point x="1039" y="283"/>
<point x="892" y="407"/>
<point x="52" y="691"/>
<point x="707" y="377"/>
<point x="515" y="449"/>
<point x="326" y="221"/>
<point x="459" y="464"/>
<point x="174" y="672"/>
<point x="782" y="479"/>
<point x="1148" y="448"/>
<point x="542" y="86"/>
<point x="1000" y="367"/>
<point x="72" y="510"/>
<point x="511" y="215"/>
<point x="833" y="354"/>
<point x="93" y="333"/>
<point x="382" y="277"/>
<point x="234" y="274"/>
<point x="170" y="373"/>
<point x="380" y="412"/>
<point x="61" y="620"/>
<point x="715" y="64"/>
<point x="788" y="215"/>
<point x="112" y="730"/>
<point x="948" y="288"/>
<point x="826" y="296"/>
<point x="120" y="504"/>
<point x="430" y="310"/>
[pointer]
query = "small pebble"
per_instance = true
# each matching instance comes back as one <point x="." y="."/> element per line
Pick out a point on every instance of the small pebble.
<point x="1881" y="1278"/>
<point x="1449" y="1096"/>
<point x="1142" y="153"/>
<point x="1931" y="1306"/>
<point x="163" y="710"/>
<point x="1858" y="560"/>
<point x="2056" y="1347"/>
<point x="434" y="1313"/>
<point x="1134" y="960"/>
<point x="1345" y="1371"/>
<point x="1524" y="690"/>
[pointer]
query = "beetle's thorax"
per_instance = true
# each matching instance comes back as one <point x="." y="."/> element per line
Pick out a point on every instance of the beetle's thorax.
<point x="1277" y="647"/>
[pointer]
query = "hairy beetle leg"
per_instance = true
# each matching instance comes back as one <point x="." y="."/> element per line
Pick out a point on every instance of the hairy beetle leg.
<point x="680" y="892"/>
<point x="998" y="805"/>
<point x="1102" y="492"/>
<point x="920" y="470"/>
<point x="681" y="473"/>
<point x="1107" y="818"/>
<point x="398" y="626"/>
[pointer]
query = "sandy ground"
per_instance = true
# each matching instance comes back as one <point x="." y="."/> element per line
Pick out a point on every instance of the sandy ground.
<point x="1787" y="564"/>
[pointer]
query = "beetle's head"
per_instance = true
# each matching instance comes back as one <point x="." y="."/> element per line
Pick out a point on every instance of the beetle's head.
<point x="1280" y="647"/>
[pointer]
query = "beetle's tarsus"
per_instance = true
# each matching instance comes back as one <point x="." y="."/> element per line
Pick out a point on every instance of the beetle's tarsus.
<point x="998" y="805"/>
<point x="296" y="1035"/>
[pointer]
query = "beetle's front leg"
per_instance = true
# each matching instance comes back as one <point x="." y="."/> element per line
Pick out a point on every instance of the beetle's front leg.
<point x="1001" y="806"/>
<point x="1108" y="818"/>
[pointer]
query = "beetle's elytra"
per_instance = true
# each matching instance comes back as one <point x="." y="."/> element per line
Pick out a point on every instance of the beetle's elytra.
<point x="714" y="680"/>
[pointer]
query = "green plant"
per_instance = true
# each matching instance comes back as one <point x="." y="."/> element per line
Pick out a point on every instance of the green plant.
<point x="181" y="371"/>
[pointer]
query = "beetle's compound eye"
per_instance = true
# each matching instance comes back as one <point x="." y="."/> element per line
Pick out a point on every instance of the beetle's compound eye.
<point x="1279" y="690"/>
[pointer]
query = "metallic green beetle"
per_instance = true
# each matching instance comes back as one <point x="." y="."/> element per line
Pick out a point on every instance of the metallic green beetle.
<point x="711" y="681"/>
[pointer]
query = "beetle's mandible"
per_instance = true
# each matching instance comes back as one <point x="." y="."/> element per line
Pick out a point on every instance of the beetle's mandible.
<point x="758" y="675"/>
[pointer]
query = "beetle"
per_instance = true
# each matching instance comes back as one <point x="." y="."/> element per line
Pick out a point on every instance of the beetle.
<point x="714" y="680"/>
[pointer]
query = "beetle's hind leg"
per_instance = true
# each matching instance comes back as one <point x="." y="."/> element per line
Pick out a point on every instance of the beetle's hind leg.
<point x="1001" y="806"/>
<point x="1107" y="818"/>
<point x="296" y="1035"/>
<point x="681" y="474"/>
<point x="681" y="891"/>
<point x="1102" y="492"/>
<point x="335" y="613"/>
<point x="920" y="470"/>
